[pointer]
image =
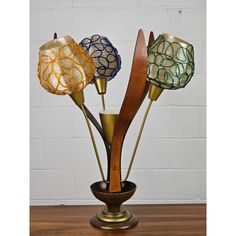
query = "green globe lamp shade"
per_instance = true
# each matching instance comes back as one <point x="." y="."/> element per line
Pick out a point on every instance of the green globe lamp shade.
<point x="170" y="63"/>
<point x="170" y="66"/>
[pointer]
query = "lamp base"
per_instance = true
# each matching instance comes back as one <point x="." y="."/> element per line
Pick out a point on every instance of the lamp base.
<point x="114" y="221"/>
<point x="113" y="216"/>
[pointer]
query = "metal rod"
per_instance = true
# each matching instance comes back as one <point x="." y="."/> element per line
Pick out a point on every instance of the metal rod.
<point x="138" y="139"/>
<point x="103" y="102"/>
<point x="94" y="144"/>
<point x="55" y="36"/>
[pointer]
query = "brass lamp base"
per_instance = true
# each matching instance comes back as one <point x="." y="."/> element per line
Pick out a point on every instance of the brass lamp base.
<point x="113" y="216"/>
<point x="114" y="221"/>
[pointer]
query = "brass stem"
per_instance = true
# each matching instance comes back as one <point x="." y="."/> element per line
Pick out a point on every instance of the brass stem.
<point x="138" y="139"/>
<point x="103" y="102"/>
<point x="93" y="141"/>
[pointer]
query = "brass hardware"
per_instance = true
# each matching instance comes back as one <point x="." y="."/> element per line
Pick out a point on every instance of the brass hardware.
<point x="137" y="141"/>
<point x="101" y="85"/>
<point x="154" y="92"/>
<point x="78" y="97"/>
<point x="108" y="121"/>
<point x="94" y="143"/>
<point x="121" y="216"/>
<point x="172" y="39"/>
<point x="103" y="102"/>
<point x="114" y="226"/>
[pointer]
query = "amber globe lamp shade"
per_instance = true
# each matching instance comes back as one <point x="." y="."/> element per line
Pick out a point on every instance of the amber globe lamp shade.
<point x="106" y="58"/>
<point x="64" y="67"/>
<point x="170" y="62"/>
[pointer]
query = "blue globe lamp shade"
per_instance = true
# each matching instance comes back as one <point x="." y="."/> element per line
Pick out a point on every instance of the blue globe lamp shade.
<point x="106" y="58"/>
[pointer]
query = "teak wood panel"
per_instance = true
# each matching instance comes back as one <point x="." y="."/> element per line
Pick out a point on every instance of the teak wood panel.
<point x="131" y="103"/>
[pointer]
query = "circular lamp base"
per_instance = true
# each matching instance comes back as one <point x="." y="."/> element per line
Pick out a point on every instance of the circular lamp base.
<point x="113" y="216"/>
<point x="114" y="221"/>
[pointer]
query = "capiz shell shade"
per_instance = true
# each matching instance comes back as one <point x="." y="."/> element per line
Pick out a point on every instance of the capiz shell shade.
<point x="64" y="67"/>
<point x="105" y="55"/>
<point x="170" y="62"/>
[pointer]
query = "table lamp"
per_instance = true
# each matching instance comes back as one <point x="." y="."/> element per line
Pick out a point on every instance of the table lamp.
<point x="66" y="68"/>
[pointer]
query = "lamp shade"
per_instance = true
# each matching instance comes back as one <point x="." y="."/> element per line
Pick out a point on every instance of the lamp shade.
<point x="64" y="67"/>
<point x="170" y="62"/>
<point x="105" y="55"/>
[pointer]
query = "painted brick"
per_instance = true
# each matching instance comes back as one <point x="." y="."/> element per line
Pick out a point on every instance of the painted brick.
<point x="194" y="94"/>
<point x="79" y="126"/>
<point x="172" y="122"/>
<point x="135" y="125"/>
<point x="188" y="153"/>
<point x="151" y="153"/>
<point x="52" y="100"/>
<point x="105" y="3"/>
<point x="34" y="56"/>
<point x="34" y="25"/>
<point x="198" y="55"/>
<point x="204" y="58"/>
<point x="71" y="21"/>
<point x="50" y="122"/>
<point x="113" y="98"/>
<point x="36" y="91"/>
<point x="126" y="51"/>
<point x="202" y="122"/>
<point x="83" y="180"/>
<point x="69" y="154"/>
<point x="36" y="154"/>
<point x="169" y="184"/>
<point x="203" y="185"/>
<point x="116" y="90"/>
<point x="188" y="23"/>
<point x="49" y="4"/>
<point x="60" y="21"/>
<point x="134" y="21"/>
<point x="173" y="3"/>
<point x="51" y="185"/>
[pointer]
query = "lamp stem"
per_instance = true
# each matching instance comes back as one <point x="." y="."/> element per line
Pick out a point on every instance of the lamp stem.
<point x="94" y="143"/>
<point x="138" y="139"/>
<point x="103" y="102"/>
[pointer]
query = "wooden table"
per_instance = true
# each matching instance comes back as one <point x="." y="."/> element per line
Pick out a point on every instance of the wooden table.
<point x="154" y="220"/>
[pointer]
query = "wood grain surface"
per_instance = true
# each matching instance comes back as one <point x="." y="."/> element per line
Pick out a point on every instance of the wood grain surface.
<point x="133" y="98"/>
<point x="154" y="220"/>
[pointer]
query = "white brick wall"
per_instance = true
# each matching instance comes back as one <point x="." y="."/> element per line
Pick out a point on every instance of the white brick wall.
<point x="171" y="158"/>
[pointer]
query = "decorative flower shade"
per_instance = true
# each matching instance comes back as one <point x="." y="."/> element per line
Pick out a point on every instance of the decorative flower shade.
<point x="64" y="67"/>
<point x="105" y="55"/>
<point x="170" y="62"/>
